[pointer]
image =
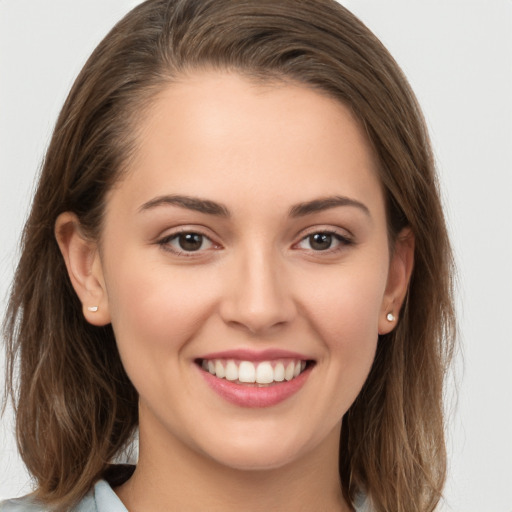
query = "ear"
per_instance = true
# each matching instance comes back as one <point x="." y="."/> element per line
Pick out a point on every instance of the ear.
<point x="399" y="275"/>
<point x="84" y="267"/>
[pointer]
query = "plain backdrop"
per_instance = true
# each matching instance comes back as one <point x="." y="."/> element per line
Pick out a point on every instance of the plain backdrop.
<point x="458" y="57"/>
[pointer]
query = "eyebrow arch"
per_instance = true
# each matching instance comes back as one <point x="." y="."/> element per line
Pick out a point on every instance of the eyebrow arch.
<point x="318" y="205"/>
<point x="190" y="203"/>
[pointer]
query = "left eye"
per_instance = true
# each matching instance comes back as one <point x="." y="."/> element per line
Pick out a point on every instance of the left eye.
<point x="187" y="242"/>
<point x="322" y="241"/>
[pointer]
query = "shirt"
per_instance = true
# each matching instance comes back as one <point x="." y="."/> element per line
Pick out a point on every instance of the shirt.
<point x="101" y="498"/>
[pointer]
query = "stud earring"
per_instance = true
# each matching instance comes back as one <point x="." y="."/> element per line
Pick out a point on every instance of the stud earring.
<point x="92" y="309"/>
<point x="390" y="317"/>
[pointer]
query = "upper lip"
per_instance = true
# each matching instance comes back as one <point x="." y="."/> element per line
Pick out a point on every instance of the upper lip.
<point x="255" y="355"/>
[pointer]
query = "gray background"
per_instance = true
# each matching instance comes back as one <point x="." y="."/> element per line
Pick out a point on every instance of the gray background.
<point x="458" y="57"/>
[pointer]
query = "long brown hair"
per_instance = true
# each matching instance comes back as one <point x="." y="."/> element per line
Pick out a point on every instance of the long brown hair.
<point x="76" y="408"/>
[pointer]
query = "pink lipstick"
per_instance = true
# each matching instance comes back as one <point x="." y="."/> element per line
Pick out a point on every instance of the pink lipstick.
<point x="255" y="379"/>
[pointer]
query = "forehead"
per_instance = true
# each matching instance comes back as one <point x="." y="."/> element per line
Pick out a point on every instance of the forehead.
<point x="217" y="134"/>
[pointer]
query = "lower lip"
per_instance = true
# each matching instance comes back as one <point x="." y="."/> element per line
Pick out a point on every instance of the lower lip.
<point x="252" y="395"/>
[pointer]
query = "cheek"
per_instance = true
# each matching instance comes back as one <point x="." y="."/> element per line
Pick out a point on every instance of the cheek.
<point x="348" y="302"/>
<point x="345" y="313"/>
<point x="154" y="312"/>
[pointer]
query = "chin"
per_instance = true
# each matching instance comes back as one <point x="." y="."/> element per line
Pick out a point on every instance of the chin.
<point x="256" y="461"/>
<point x="260" y="453"/>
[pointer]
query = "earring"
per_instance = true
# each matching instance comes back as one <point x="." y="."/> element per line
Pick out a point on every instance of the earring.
<point x="92" y="309"/>
<point x="390" y="317"/>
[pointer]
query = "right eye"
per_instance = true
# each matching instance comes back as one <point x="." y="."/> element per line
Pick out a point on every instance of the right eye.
<point x="186" y="242"/>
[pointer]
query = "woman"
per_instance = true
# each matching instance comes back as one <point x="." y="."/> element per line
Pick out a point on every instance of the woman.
<point x="237" y="247"/>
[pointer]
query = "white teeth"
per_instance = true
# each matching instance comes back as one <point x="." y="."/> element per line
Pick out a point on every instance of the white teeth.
<point x="288" y="373"/>
<point x="263" y="373"/>
<point x="246" y="372"/>
<point x="231" y="371"/>
<point x="279" y="372"/>
<point x="219" y="370"/>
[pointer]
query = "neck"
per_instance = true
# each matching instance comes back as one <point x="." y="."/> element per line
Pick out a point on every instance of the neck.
<point x="174" y="477"/>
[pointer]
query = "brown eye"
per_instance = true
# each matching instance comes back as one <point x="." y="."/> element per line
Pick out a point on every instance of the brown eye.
<point x="320" y="241"/>
<point x="190" y="241"/>
<point x="326" y="241"/>
<point x="186" y="242"/>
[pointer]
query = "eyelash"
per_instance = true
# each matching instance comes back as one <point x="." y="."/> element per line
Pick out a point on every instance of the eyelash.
<point x="165" y="243"/>
<point x="342" y="242"/>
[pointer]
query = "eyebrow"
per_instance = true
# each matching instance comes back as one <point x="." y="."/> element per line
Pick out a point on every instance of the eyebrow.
<point x="190" y="203"/>
<point x="326" y="203"/>
<point x="214" y="208"/>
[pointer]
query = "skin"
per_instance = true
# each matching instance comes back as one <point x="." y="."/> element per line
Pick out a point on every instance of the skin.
<point x="257" y="282"/>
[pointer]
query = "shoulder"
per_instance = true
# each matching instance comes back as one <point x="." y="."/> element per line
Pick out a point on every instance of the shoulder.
<point x="25" y="504"/>
<point x="29" y="504"/>
<point x="101" y="498"/>
<point x="362" y="503"/>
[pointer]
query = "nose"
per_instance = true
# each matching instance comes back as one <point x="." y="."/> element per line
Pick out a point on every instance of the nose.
<point x="258" y="297"/>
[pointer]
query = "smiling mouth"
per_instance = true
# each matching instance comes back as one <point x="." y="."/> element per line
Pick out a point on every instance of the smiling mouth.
<point x="260" y="374"/>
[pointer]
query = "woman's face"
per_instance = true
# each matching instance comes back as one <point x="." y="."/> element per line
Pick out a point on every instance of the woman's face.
<point x="248" y="239"/>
